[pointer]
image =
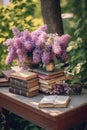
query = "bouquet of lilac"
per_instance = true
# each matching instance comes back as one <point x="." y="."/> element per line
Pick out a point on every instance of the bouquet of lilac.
<point x="61" y="89"/>
<point x="44" y="48"/>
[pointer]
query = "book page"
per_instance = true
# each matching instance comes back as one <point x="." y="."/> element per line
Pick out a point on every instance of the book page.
<point x="47" y="101"/>
<point x="16" y="68"/>
<point x="61" y="101"/>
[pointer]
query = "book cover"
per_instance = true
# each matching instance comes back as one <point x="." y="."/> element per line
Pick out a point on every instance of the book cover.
<point x="54" y="101"/>
<point x="24" y="84"/>
<point x="40" y="71"/>
<point x="23" y="93"/>
<point x="24" y="75"/>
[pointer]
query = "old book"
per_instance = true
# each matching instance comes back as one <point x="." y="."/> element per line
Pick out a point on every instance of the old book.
<point x="51" y="81"/>
<point x="50" y="86"/>
<point x="23" y="93"/>
<point x="25" y="89"/>
<point x="40" y="71"/>
<point x="54" y="101"/>
<point x="42" y="76"/>
<point x="24" y="84"/>
<point x="6" y="73"/>
<point x="44" y="89"/>
<point x="4" y="82"/>
<point x="24" y="75"/>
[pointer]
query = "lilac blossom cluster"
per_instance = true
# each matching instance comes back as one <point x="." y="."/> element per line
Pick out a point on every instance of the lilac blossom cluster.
<point x="44" y="47"/>
<point x="62" y="88"/>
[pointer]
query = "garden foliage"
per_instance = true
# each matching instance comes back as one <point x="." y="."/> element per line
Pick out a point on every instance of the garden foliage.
<point x="20" y="14"/>
<point x="78" y="51"/>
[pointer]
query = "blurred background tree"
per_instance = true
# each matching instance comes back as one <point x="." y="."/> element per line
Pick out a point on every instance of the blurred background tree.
<point x="51" y="12"/>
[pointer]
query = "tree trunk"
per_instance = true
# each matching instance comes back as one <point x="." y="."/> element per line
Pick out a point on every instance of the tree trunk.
<point x="51" y="12"/>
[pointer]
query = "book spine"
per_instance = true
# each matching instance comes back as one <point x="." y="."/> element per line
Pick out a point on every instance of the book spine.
<point x="23" y="93"/>
<point x="22" y="84"/>
<point x="26" y="89"/>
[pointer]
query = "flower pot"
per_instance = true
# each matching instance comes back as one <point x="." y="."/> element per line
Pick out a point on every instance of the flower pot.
<point x="50" y="67"/>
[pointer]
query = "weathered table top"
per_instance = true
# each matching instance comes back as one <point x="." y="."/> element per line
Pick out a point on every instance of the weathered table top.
<point x="48" y="118"/>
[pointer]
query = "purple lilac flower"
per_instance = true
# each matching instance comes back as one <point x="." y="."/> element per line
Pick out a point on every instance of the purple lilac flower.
<point x="28" y="46"/>
<point x="37" y="55"/>
<point x="64" y="56"/>
<point x="45" y="57"/>
<point x="27" y="35"/>
<point x="10" y="57"/>
<point x="65" y="39"/>
<point x="44" y="27"/>
<point x="8" y="42"/>
<point x="22" y="58"/>
<point x="34" y="38"/>
<point x="18" y="43"/>
<point x="62" y="88"/>
<point x="57" y="40"/>
<point x="16" y="32"/>
<point x="56" y="49"/>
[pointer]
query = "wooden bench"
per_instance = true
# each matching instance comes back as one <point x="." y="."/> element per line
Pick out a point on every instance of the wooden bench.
<point x="47" y="118"/>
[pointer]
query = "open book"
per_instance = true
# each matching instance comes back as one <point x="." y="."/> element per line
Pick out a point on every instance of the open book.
<point x="54" y="101"/>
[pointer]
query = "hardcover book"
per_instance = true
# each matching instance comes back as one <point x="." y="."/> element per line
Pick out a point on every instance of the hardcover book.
<point x="26" y="89"/>
<point x="7" y="73"/>
<point x="23" y="93"/>
<point x="24" y="84"/>
<point x="54" y="101"/>
<point x="24" y="75"/>
<point x="42" y="76"/>
<point x="49" y="86"/>
<point x="56" y="71"/>
<point x="4" y="82"/>
<point x="44" y="90"/>
<point x="51" y="81"/>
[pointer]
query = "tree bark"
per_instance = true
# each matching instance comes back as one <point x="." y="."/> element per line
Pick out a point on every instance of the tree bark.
<point x="51" y="12"/>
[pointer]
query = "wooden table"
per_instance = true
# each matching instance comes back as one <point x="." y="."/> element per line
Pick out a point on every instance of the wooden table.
<point x="47" y="118"/>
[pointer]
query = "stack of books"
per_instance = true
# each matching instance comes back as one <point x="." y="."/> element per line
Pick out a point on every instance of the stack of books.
<point x="48" y="79"/>
<point x="4" y="82"/>
<point x="24" y="83"/>
<point x="4" y="78"/>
